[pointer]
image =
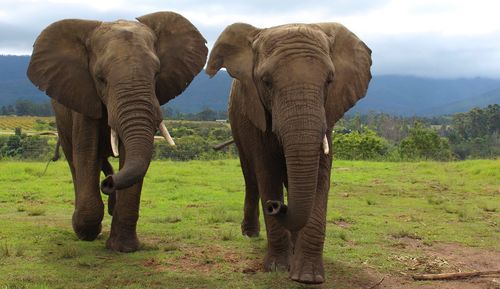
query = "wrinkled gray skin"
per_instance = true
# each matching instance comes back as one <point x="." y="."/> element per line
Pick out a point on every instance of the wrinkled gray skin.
<point x="113" y="75"/>
<point x="291" y="84"/>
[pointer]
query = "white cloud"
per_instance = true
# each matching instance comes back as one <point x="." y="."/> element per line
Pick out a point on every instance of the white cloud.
<point x="424" y="37"/>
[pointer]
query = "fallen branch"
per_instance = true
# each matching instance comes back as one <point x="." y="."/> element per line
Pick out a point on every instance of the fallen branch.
<point x="450" y="276"/>
<point x="223" y="145"/>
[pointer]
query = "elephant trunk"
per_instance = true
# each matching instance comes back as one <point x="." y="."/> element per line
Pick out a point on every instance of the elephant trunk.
<point x="301" y="126"/>
<point x="135" y="118"/>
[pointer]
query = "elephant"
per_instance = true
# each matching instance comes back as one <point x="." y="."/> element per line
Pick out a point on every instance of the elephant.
<point x="291" y="84"/>
<point x="106" y="81"/>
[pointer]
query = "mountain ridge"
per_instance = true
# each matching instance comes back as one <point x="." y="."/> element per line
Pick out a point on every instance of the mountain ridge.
<point x="394" y="94"/>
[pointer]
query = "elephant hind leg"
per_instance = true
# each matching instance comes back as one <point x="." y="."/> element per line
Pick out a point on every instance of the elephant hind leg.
<point x="111" y="203"/>
<point x="250" y="225"/>
<point x="107" y="169"/>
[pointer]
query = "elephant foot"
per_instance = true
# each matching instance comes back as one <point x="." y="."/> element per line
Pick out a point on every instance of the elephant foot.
<point x="276" y="262"/>
<point x="307" y="271"/>
<point x="87" y="232"/>
<point x="86" y="229"/>
<point x="250" y="230"/>
<point x="122" y="245"/>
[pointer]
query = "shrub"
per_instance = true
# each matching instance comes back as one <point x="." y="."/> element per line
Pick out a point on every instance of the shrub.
<point x="423" y="143"/>
<point x="21" y="146"/>
<point x="359" y="145"/>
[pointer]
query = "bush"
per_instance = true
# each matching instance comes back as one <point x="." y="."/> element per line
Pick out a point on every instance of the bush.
<point x="21" y="146"/>
<point x="359" y="145"/>
<point x="190" y="148"/>
<point x="426" y="144"/>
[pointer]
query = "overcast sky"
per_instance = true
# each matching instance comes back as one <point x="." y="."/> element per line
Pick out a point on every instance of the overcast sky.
<point x="433" y="38"/>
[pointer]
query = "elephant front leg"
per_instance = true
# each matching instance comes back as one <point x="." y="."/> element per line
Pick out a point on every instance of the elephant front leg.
<point x="307" y="261"/>
<point x="278" y="238"/>
<point x="85" y="164"/>
<point x="279" y="246"/>
<point x="123" y="235"/>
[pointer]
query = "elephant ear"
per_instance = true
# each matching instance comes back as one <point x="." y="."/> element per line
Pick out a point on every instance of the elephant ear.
<point x="233" y="50"/>
<point x="59" y="66"/>
<point x="181" y="49"/>
<point x="352" y="60"/>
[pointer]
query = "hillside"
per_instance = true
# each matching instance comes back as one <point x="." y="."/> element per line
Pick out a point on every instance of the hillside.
<point x="408" y="95"/>
<point x="395" y="94"/>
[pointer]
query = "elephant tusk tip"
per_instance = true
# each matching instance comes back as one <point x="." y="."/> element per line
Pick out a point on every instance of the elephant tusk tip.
<point x="326" y="147"/>
<point x="114" y="143"/>
<point x="164" y="132"/>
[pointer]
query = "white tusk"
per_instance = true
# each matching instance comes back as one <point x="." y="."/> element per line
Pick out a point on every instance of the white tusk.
<point x="326" y="148"/>
<point x="164" y="132"/>
<point x="114" y="143"/>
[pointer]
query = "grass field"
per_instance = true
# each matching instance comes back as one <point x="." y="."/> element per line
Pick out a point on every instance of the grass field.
<point x="385" y="220"/>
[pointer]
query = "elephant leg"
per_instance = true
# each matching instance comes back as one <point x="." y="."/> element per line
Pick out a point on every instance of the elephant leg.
<point x="250" y="225"/>
<point x="89" y="208"/>
<point x="123" y="235"/>
<point x="306" y="264"/>
<point x="107" y="170"/>
<point x="270" y="183"/>
<point x="111" y="203"/>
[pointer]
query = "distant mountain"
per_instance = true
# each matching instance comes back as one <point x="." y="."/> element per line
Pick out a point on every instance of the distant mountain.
<point x="204" y="92"/>
<point x="14" y="83"/>
<point x="395" y="94"/>
<point x="408" y="95"/>
<point x="465" y="104"/>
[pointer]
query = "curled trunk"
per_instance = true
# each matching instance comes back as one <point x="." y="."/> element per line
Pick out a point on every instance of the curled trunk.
<point x="301" y="127"/>
<point x="302" y="162"/>
<point x="135" y="119"/>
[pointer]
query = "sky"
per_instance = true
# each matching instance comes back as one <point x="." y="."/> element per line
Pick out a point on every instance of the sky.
<point x="429" y="38"/>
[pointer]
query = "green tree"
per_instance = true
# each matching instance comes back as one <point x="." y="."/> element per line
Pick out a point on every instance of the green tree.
<point x="364" y="145"/>
<point x="424" y="143"/>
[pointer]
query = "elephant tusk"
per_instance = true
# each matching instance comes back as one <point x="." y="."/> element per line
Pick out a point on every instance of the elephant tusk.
<point x="326" y="148"/>
<point x="164" y="132"/>
<point x="114" y="143"/>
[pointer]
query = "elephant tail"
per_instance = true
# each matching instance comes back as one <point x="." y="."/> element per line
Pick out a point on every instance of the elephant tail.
<point x="56" y="156"/>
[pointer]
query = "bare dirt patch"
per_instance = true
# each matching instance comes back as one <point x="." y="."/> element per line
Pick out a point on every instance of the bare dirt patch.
<point x="440" y="258"/>
<point x="342" y="224"/>
<point x="205" y="261"/>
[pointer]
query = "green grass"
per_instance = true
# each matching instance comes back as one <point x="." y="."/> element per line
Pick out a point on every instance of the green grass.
<point x="190" y="224"/>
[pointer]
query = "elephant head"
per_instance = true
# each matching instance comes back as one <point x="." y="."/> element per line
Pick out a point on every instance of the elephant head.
<point x="122" y="71"/>
<point x="297" y="81"/>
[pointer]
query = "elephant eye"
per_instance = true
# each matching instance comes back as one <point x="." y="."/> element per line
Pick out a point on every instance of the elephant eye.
<point x="267" y="81"/>
<point x="100" y="78"/>
<point x="329" y="78"/>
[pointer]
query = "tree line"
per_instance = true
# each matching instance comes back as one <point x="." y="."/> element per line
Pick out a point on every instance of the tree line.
<point x="374" y="136"/>
<point x="472" y="134"/>
<point x="24" y="107"/>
